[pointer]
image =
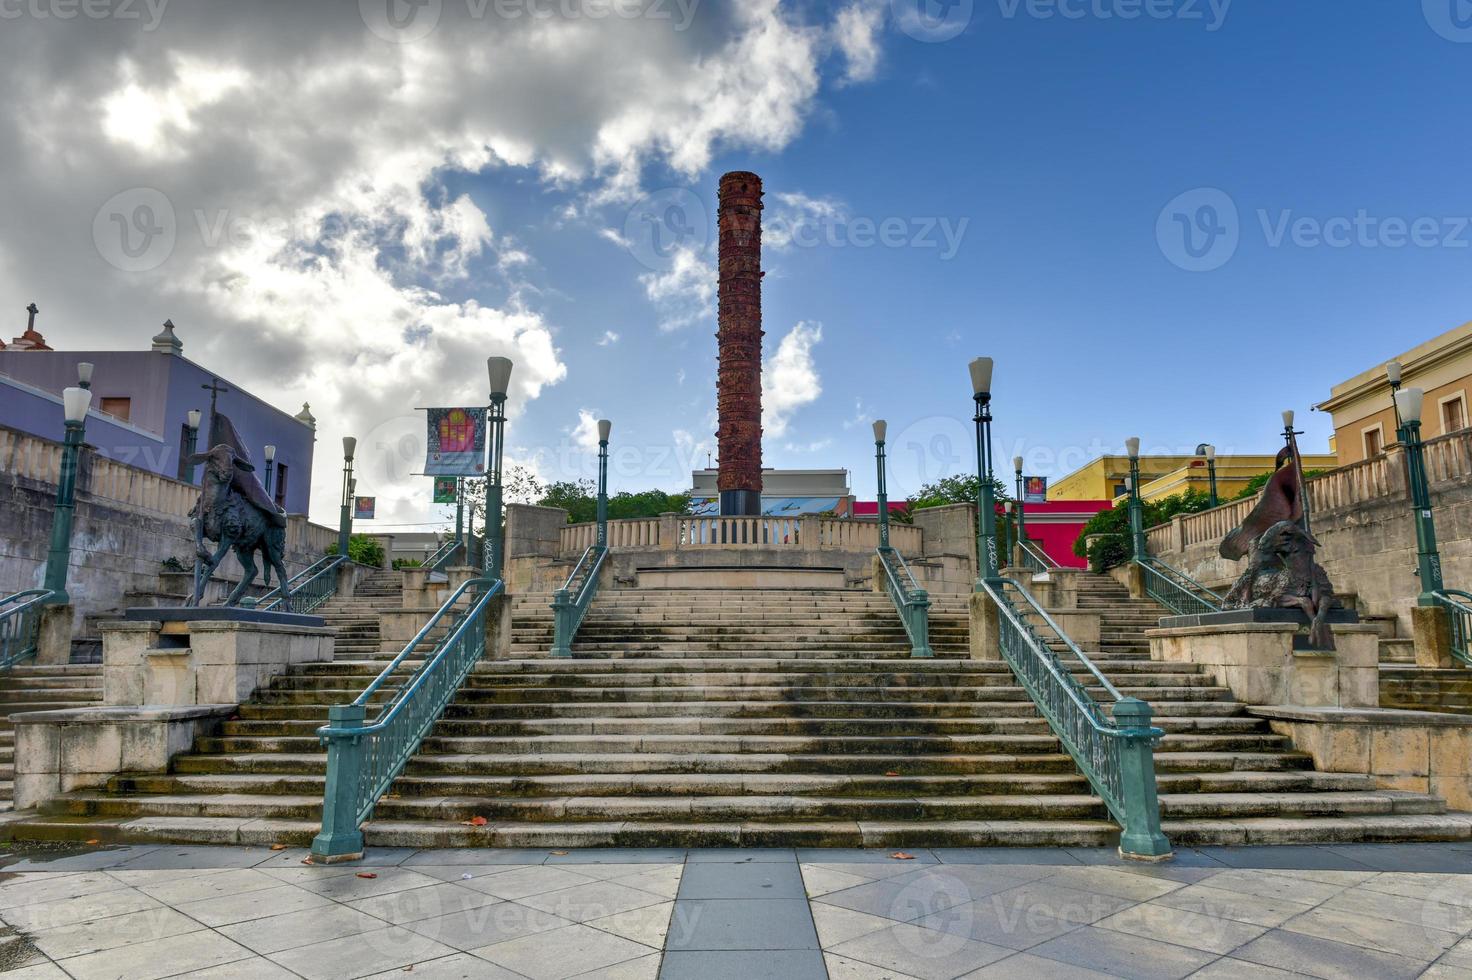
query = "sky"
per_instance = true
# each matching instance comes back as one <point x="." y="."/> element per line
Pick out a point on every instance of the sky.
<point x="1163" y="218"/>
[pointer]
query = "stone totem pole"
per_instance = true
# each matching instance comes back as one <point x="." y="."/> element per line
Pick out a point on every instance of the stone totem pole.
<point x="739" y="334"/>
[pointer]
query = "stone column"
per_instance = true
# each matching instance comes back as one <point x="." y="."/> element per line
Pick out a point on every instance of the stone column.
<point x="1432" y="632"/>
<point x="54" y="637"/>
<point x="986" y="634"/>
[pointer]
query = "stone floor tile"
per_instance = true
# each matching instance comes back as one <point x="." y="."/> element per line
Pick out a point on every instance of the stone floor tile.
<point x="255" y="968"/>
<point x="1326" y="959"/>
<point x="1025" y="965"/>
<point x="1373" y="932"/>
<point x="819" y="881"/>
<point x="1045" y="900"/>
<point x="1119" y="883"/>
<point x="643" y="968"/>
<point x="922" y="953"/>
<point x="1448" y="889"/>
<point x="1428" y="857"/>
<point x="838" y="925"/>
<point x="1123" y="955"/>
<point x="1284" y="856"/>
<point x="461" y="966"/>
<point x="377" y="857"/>
<point x="487" y="924"/>
<point x="462" y="872"/>
<point x="413" y="904"/>
<point x="1006" y="855"/>
<point x="619" y="855"/>
<point x="1427" y="910"/>
<point x="356" y="956"/>
<point x="620" y="871"/>
<point x="1222" y="904"/>
<point x="713" y="880"/>
<point x="1231" y="968"/>
<point x="299" y="874"/>
<point x="869" y="870"/>
<point x="1210" y="934"/>
<point x="351" y="887"/>
<point x="562" y="953"/>
<point x="864" y="855"/>
<point x="742" y="855"/>
<point x="37" y="889"/>
<point x="97" y="935"/>
<point x="1015" y="927"/>
<point x="59" y="913"/>
<point x="843" y="968"/>
<point x="228" y="909"/>
<point x="523" y="882"/>
<point x="783" y="964"/>
<point x="648" y="925"/>
<point x="1446" y="971"/>
<point x="89" y="860"/>
<point x="36" y="971"/>
<point x="591" y="900"/>
<point x="157" y="958"/>
<point x="203" y="856"/>
<point x="277" y="932"/>
<point x="201" y="887"/>
<point x="663" y="881"/>
<point x="449" y="857"/>
<point x="1183" y="857"/>
<point x="777" y="923"/>
<point x="903" y="899"/>
<point x="1261" y="885"/>
<point x="1327" y="877"/>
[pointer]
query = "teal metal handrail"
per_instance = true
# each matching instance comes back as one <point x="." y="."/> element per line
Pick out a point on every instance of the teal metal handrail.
<point x="1114" y="751"/>
<point x="570" y="603"/>
<point x="910" y="601"/>
<point x="20" y="622"/>
<point x="1035" y="559"/>
<point x="1177" y="591"/>
<point x="306" y="590"/>
<point x="437" y="561"/>
<point x="1458" y="606"/>
<point x="364" y="758"/>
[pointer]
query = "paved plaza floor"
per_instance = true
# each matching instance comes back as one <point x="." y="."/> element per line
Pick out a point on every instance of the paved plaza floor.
<point x="137" y="913"/>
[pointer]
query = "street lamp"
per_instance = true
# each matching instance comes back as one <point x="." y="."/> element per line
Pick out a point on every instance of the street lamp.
<point x="881" y="428"/>
<point x="1210" y="453"/>
<point x="192" y="419"/>
<point x="1392" y="374"/>
<point x="1021" y="501"/>
<point x="270" y="467"/>
<point x="1408" y="403"/>
<point x="986" y="516"/>
<point x="345" y="515"/>
<point x="84" y="375"/>
<point x="74" y="403"/>
<point x="605" y="427"/>
<point x="498" y="369"/>
<point x="1008" y="538"/>
<point x="1137" y="507"/>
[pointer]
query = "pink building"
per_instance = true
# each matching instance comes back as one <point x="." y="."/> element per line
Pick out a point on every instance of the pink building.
<point x="1055" y="525"/>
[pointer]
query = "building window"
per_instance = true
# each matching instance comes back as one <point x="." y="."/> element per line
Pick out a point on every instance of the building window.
<point x="278" y="489"/>
<point x="1453" y="414"/>
<point x="118" y="408"/>
<point x="1374" y="441"/>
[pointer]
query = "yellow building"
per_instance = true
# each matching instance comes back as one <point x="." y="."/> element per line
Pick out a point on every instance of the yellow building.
<point x="1363" y="413"/>
<point x="1166" y="476"/>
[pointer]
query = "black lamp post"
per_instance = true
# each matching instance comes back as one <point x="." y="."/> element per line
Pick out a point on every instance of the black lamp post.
<point x="1137" y="507"/>
<point x="1408" y="403"/>
<point x="986" y="516"/>
<point x="270" y="467"/>
<point x="498" y="369"/>
<point x="881" y="428"/>
<point x="75" y="402"/>
<point x="1021" y="503"/>
<point x="605" y="429"/>
<point x="1210" y="452"/>
<point x="345" y="515"/>
<point x="191" y="444"/>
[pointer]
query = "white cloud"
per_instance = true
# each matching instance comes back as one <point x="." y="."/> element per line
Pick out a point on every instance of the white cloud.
<point x="685" y="293"/>
<point x="585" y="433"/>
<point x="609" y="337"/>
<point x="855" y="31"/>
<point x="790" y="378"/>
<point x="795" y="218"/>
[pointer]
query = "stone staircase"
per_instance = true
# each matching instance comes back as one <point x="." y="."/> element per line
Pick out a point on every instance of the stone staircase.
<point x="356" y="617"/>
<point x="34" y="688"/>
<point x="752" y="718"/>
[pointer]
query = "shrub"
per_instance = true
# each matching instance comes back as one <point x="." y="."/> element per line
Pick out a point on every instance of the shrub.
<point x="362" y="550"/>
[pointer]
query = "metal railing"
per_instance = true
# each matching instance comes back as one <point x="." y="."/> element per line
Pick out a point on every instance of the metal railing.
<point x="20" y="622"/>
<point x="1114" y="750"/>
<point x="306" y="590"/>
<point x="447" y="551"/>
<point x="570" y="603"/>
<point x="364" y="758"/>
<point x="1035" y="559"/>
<point x="1177" y="591"/>
<point x="1458" y="606"/>
<point x="910" y="601"/>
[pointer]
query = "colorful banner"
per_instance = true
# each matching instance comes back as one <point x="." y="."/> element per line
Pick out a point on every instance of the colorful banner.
<point x="364" y="507"/>
<point x="444" y="489"/>
<point x="456" y="444"/>
<point x="1035" y="489"/>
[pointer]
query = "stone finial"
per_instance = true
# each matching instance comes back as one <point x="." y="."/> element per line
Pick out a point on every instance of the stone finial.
<point x="30" y="340"/>
<point x="305" y="416"/>
<point x="165" y="342"/>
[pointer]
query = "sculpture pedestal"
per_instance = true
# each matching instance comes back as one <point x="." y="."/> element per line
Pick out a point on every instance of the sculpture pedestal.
<point x="1237" y="617"/>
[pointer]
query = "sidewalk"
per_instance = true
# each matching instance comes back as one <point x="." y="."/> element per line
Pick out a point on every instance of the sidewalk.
<point x="137" y="913"/>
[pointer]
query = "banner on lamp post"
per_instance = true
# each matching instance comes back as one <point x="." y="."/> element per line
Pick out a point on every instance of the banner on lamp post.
<point x="364" y="508"/>
<point x="444" y="489"/>
<point x="1035" y="489"/>
<point x="456" y="442"/>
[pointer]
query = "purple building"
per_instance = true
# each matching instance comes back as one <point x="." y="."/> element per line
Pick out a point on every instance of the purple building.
<point x="141" y="402"/>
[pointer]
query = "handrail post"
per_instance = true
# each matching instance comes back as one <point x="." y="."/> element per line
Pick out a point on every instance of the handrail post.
<point x="1142" y="839"/>
<point x="919" y="609"/>
<point x="341" y="838"/>
<point x="561" y="616"/>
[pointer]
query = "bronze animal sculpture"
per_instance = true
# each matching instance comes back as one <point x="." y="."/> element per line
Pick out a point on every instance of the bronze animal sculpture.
<point x="1282" y="574"/>
<point x="237" y="514"/>
<point x="1279" y="502"/>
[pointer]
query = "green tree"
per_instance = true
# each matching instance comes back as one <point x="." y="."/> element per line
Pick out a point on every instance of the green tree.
<point x="362" y="549"/>
<point x="1112" y="545"/>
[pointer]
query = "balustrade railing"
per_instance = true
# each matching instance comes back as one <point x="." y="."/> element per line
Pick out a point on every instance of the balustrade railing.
<point x="739" y="532"/>
<point x="1177" y="591"/>
<point x="444" y="555"/>
<point x="910" y="601"/>
<point x="364" y="758"/>
<point x="1114" y="750"/>
<point x="20" y="621"/>
<point x="570" y="603"/>
<point x="1458" y="606"/>
<point x="306" y="590"/>
<point x="1035" y="559"/>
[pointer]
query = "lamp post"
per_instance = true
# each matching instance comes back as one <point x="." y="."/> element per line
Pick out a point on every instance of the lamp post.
<point x="84" y="375"/>
<point x="1211" y="473"/>
<point x="191" y="444"/>
<point x="1408" y="403"/>
<point x="1009" y="512"/>
<point x="1392" y="374"/>
<point x="986" y="515"/>
<point x="881" y="428"/>
<point x="270" y="467"/>
<point x="1137" y="507"/>
<point x="460" y="510"/>
<point x="75" y="402"/>
<point x="605" y="427"/>
<point x="1021" y="503"/>
<point x="345" y="516"/>
<point x="498" y="369"/>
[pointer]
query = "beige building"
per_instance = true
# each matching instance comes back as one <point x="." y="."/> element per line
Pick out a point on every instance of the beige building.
<point x="1364" y="419"/>
<point x="1166" y="476"/>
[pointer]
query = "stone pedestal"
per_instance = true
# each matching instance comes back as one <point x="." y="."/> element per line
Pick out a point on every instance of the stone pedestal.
<point x="1081" y="626"/>
<point x="1431" y="630"/>
<point x="1259" y="663"/>
<point x="54" y="636"/>
<point x="414" y="585"/>
<point x="986" y="642"/>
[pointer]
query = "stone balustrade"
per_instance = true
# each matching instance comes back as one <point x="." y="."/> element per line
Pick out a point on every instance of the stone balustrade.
<point x="676" y="532"/>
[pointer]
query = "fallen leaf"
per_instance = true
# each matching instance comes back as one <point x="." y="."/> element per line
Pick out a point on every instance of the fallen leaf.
<point x="891" y="773"/>
<point x="902" y="856"/>
<point x="365" y="874"/>
<point x="474" y="822"/>
<point x="306" y="860"/>
<point x="278" y="847"/>
<point x="94" y="842"/>
<point x="559" y="854"/>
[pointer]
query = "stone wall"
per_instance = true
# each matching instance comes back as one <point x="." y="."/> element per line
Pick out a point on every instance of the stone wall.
<point x="1362" y="518"/>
